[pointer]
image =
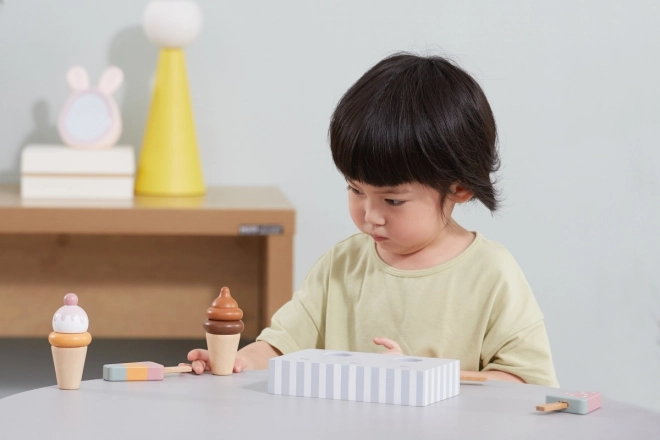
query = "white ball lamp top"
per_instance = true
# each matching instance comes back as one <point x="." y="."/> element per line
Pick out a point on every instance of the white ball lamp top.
<point x="172" y="23"/>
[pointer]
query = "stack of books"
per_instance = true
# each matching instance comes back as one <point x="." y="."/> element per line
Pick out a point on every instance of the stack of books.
<point x="59" y="172"/>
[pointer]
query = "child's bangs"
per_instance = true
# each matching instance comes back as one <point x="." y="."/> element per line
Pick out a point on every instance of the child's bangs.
<point x="382" y="151"/>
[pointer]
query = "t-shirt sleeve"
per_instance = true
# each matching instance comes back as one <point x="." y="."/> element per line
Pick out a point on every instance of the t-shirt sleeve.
<point x="525" y="354"/>
<point x="300" y="323"/>
<point x="516" y="341"/>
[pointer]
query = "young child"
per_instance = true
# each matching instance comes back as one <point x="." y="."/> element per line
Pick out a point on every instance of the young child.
<point x="413" y="137"/>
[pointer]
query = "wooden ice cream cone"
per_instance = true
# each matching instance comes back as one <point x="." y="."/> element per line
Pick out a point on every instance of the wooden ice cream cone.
<point x="69" y="364"/>
<point x="222" y="353"/>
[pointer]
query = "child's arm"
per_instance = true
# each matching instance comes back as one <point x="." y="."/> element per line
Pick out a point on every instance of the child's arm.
<point x="251" y="357"/>
<point x="255" y="356"/>
<point x="395" y="349"/>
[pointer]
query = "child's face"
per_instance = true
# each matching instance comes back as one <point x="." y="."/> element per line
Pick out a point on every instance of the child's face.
<point x="402" y="220"/>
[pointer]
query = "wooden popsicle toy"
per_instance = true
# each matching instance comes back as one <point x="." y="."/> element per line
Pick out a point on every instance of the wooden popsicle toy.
<point x="140" y="371"/>
<point x="573" y="402"/>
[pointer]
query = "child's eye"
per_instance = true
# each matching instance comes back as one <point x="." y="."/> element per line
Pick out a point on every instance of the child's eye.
<point x="394" y="202"/>
<point x="355" y="191"/>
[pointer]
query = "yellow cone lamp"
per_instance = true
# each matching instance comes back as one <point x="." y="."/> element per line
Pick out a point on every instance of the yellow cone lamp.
<point x="169" y="161"/>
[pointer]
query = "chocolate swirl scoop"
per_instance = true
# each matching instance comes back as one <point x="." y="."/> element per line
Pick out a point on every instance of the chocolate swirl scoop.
<point x="224" y="308"/>
<point x="224" y="316"/>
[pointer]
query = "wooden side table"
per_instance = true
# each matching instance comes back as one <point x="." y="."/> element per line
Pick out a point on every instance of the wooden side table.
<point x="147" y="268"/>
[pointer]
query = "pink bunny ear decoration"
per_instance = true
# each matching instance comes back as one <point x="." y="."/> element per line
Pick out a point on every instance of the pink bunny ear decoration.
<point x="111" y="80"/>
<point x="90" y="118"/>
<point x="78" y="78"/>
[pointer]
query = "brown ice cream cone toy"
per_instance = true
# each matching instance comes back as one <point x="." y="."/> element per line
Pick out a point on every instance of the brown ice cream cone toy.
<point x="69" y="341"/>
<point x="223" y="332"/>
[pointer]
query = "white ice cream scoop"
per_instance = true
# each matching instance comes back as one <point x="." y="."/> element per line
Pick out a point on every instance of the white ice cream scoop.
<point x="70" y="318"/>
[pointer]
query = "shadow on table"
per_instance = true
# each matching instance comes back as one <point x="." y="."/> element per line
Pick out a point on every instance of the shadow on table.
<point x="260" y="387"/>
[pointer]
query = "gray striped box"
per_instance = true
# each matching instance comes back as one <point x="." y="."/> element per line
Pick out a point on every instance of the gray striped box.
<point x="364" y="377"/>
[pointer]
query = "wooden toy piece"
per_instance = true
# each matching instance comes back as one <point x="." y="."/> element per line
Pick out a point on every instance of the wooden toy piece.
<point x="140" y="371"/>
<point x="169" y="161"/>
<point x="555" y="406"/>
<point x="470" y="378"/>
<point x="573" y="402"/>
<point x="364" y="377"/>
<point x="223" y="332"/>
<point x="69" y="340"/>
<point x="473" y="379"/>
<point x="69" y="364"/>
<point x="90" y="118"/>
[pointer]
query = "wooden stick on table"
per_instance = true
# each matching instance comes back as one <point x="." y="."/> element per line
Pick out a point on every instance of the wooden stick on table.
<point x="467" y="378"/>
<point x="179" y="369"/>
<point x="555" y="406"/>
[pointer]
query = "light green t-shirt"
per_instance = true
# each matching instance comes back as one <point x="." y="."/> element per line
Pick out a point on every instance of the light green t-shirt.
<point x="477" y="307"/>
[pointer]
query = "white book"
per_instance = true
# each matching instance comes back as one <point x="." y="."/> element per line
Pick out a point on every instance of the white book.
<point x="60" y="160"/>
<point x="104" y="188"/>
<point x="59" y="172"/>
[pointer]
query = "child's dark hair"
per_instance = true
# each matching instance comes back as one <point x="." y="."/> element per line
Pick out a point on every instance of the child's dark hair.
<point x="417" y="119"/>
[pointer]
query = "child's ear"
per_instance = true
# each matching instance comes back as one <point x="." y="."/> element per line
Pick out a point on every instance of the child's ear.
<point x="459" y="193"/>
<point x="78" y="78"/>
<point x="111" y="80"/>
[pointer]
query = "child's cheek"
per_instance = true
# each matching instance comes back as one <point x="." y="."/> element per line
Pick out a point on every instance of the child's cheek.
<point x="357" y="215"/>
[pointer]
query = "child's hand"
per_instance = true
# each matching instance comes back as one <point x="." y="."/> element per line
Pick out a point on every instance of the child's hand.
<point x="199" y="359"/>
<point x="201" y="363"/>
<point x="392" y="347"/>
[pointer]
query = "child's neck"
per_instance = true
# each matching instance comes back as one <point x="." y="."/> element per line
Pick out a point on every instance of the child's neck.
<point x="451" y="242"/>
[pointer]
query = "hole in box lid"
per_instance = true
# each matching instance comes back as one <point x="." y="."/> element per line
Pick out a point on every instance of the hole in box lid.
<point x="408" y="359"/>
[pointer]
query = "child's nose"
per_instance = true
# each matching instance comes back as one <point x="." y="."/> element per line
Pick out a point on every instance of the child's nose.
<point x="373" y="216"/>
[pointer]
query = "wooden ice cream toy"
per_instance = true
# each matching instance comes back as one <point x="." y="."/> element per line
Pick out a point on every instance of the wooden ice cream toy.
<point x="69" y="341"/>
<point x="574" y="402"/>
<point x="223" y="332"/>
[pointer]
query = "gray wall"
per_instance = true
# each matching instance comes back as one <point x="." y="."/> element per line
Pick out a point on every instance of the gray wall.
<point x="574" y="86"/>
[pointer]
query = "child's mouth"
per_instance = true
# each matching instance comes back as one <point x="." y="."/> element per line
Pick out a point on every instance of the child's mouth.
<point x="378" y="237"/>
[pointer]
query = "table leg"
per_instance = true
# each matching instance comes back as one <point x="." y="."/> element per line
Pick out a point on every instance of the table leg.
<point x="277" y="275"/>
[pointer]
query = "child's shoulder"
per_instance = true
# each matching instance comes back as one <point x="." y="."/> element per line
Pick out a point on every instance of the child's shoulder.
<point x="491" y="249"/>
<point x="493" y="254"/>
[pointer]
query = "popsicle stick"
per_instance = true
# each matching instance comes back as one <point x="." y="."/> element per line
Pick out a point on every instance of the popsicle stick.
<point x="179" y="369"/>
<point x="554" y="406"/>
<point x="468" y="378"/>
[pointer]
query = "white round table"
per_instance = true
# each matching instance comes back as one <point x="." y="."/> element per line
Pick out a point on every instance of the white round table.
<point x="239" y="407"/>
